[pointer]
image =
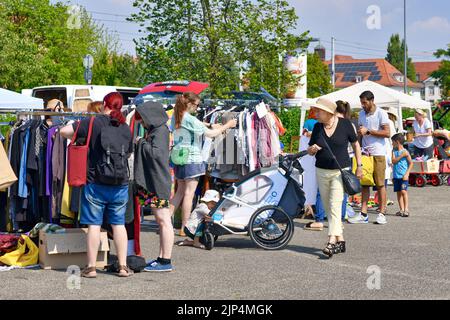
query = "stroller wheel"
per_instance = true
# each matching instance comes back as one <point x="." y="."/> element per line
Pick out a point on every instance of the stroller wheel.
<point x="208" y="240"/>
<point x="271" y="228"/>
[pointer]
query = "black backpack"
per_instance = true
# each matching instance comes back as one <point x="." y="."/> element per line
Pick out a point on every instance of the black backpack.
<point x="135" y="263"/>
<point x="112" y="169"/>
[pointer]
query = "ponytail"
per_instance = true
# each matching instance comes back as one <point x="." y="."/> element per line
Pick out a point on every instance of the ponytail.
<point x="114" y="102"/>
<point x="343" y="108"/>
<point x="181" y="106"/>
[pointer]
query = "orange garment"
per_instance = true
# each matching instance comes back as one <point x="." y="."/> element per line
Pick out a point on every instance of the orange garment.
<point x="279" y="124"/>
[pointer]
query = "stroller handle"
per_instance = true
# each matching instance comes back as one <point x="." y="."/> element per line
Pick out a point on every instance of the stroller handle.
<point x="293" y="157"/>
<point x="290" y="161"/>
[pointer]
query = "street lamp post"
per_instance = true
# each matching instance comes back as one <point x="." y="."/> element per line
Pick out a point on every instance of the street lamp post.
<point x="88" y="63"/>
<point x="405" y="75"/>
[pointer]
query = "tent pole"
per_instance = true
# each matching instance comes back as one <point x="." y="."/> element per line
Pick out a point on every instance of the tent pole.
<point x="400" y="117"/>
<point x="302" y="122"/>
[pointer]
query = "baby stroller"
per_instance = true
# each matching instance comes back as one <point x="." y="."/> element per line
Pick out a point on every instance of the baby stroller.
<point x="262" y="205"/>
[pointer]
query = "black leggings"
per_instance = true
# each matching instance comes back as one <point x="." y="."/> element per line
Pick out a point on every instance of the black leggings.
<point x="418" y="152"/>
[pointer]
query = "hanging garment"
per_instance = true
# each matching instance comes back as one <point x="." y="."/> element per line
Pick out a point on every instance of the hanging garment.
<point x="48" y="166"/>
<point x="7" y="176"/>
<point x="23" y="188"/>
<point x="58" y="168"/>
<point x="264" y="143"/>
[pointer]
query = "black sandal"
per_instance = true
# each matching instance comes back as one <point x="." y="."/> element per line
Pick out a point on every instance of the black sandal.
<point x="340" y="247"/>
<point x="329" y="250"/>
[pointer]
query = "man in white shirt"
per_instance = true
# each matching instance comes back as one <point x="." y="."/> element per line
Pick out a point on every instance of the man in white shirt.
<point x="373" y="129"/>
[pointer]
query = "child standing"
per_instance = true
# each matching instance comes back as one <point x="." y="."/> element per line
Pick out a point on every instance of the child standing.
<point x="402" y="162"/>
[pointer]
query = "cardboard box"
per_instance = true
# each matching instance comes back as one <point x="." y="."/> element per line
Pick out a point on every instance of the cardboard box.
<point x="58" y="251"/>
<point x="429" y="166"/>
<point x="432" y="166"/>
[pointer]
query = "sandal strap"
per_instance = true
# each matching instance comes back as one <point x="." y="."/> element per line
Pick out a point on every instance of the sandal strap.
<point x="125" y="268"/>
<point x="89" y="269"/>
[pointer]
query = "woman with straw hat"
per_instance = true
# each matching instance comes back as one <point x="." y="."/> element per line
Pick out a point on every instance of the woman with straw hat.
<point x="329" y="143"/>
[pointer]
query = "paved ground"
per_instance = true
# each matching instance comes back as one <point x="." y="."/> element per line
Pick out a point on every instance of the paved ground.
<point x="413" y="255"/>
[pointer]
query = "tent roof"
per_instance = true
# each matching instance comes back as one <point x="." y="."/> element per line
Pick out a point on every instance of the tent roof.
<point x="384" y="97"/>
<point x="14" y="100"/>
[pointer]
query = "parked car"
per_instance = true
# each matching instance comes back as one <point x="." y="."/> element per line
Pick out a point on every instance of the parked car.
<point x="77" y="97"/>
<point x="168" y="90"/>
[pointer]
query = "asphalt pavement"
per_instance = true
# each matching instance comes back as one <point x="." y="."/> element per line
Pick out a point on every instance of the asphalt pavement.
<point x="409" y="258"/>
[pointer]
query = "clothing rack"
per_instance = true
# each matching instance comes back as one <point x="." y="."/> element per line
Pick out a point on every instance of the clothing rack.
<point x="48" y="113"/>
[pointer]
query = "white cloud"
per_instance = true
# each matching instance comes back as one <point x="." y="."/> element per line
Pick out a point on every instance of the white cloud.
<point x="122" y="2"/>
<point x="436" y="24"/>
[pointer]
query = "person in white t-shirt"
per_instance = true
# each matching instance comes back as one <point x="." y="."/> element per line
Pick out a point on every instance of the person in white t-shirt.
<point x="373" y="129"/>
<point x="423" y="137"/>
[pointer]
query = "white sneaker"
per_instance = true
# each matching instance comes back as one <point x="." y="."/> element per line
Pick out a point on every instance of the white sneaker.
<point x="359" y="218"/>
<point x="381" y="219"/>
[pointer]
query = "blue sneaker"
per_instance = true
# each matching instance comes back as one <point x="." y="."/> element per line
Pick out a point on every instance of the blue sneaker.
<point x="155" y="266"/>
<point x="359" y="218"/>
<point x="151" y="262"/>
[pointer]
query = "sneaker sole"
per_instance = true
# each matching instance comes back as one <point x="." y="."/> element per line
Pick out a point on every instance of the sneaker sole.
<point x="359" y="222"/>
<point x="158" y="270"/>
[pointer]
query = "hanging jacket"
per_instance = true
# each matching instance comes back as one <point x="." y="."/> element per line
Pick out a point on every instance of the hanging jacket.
<point x="151" y="158"/>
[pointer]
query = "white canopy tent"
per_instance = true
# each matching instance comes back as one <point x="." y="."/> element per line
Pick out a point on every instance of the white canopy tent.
<point x="384" y="97"/>
<point x="12" y="100"/>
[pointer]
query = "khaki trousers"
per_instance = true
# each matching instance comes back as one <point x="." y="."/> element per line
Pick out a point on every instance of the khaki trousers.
<point x="332" y="194"/>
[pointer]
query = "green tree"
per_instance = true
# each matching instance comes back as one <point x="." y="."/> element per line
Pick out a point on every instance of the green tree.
<point x="396" y="56"/>
<point x="215" y="40"/>
<point x="443" y="73"/>
<point x="40" y="47"/>
<point x="319" y="79"/>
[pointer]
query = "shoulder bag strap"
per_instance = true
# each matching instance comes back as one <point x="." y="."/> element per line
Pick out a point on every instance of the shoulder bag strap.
<point x="91" y="124"/>
<point x="322" y="130"/>
<point x="74" y="138"/>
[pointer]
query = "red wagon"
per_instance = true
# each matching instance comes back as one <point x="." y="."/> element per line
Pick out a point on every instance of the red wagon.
<point x="427" y="172"/>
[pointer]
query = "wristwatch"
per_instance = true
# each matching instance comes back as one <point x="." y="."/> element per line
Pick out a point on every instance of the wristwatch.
<point x="360" y="165"/>
<point x="368" y="133"/>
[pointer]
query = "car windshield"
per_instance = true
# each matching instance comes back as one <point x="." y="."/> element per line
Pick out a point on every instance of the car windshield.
<point x="154" y="96"/>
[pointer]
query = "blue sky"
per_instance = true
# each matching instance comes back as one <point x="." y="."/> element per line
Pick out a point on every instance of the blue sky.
<point x="428" y="24"/>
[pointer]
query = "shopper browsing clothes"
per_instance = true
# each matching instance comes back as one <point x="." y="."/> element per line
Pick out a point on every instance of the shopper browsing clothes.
<point x="106" y="191"/>
<point x="329" y="143"/>
<point x="152" y="176"/>
<point x="187" y="152"/>
<point x="373" y="129"/>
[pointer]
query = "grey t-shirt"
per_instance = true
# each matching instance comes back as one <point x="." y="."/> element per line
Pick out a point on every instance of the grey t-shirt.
<point x="375" y="121"/>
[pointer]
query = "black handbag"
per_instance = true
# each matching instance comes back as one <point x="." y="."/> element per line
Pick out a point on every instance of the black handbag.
<point x="351" y="183"/>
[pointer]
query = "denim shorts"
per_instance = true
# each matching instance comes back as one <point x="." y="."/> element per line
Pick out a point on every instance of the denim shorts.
<point x="190" y="171"/>
<point x="99" y="200"/>
<point x="400" y="185"/>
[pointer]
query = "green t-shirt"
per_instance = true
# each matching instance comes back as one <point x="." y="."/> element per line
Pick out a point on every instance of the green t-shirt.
<point x="190" y="136"/>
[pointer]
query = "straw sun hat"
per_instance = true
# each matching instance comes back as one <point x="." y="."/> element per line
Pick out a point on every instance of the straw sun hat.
<point x="325" y="105"/>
